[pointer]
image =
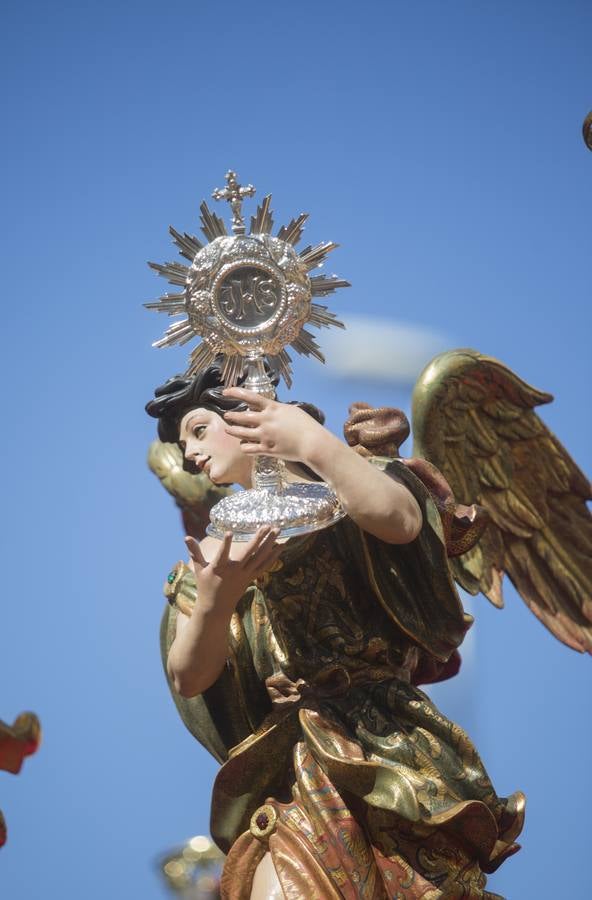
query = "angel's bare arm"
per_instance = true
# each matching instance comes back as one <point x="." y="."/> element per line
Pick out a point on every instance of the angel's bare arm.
<point x="200" y="647"/>
<point x="375" y="501"/>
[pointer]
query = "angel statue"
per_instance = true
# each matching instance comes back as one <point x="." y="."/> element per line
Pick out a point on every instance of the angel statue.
<point x="298" y="663"/>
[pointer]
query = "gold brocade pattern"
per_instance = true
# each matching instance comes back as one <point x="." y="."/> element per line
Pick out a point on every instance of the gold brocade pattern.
<point x="321" y="849"/>
<point x="377" y="795"/>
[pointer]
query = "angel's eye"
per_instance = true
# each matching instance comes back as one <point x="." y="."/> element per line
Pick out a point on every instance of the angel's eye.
<point x="199" y="430"/>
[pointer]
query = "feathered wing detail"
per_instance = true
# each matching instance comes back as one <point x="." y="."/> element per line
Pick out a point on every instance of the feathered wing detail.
<point x="474" y="419"/>
<point x="194" y="494"/>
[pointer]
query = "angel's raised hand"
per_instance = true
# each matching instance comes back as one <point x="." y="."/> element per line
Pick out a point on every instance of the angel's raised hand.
<point x="232" y="568"/>
<point x="260" y="552"/>
<point x="203" y="568"/>
<point x="271" y="428"/>
<point x="198" y="560"/>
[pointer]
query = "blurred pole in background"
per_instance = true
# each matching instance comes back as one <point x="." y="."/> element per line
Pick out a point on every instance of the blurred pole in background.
<point x="192" y="871"/>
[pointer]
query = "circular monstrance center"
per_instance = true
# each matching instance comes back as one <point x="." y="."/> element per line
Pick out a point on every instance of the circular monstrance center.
<point x="248" y="297"/>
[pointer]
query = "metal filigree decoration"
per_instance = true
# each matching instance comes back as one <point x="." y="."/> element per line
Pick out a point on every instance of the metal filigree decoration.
<point x="245" y="294"/>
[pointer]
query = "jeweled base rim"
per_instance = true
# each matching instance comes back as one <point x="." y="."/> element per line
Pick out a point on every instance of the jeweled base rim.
<point x="298" y="509"/>
<point x="219" y="533"/>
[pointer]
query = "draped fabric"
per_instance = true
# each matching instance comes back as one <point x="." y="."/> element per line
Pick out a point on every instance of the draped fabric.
<point x="333" y="759"/>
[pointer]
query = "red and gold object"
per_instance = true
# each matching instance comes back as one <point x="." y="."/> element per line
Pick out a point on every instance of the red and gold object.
<point x="16" y="742"/>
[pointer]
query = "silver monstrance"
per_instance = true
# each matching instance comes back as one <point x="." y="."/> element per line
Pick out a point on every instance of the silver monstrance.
<point x="247" y="297"/>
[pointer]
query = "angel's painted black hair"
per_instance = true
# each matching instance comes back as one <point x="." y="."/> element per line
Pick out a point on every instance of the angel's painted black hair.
<point x="178" y="395"/>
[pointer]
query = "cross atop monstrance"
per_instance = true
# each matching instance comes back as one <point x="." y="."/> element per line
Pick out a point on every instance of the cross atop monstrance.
<point x="234" y="194"/>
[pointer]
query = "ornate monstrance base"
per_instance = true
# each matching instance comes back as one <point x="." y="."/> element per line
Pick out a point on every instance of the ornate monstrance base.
<point x="298" y="509"/>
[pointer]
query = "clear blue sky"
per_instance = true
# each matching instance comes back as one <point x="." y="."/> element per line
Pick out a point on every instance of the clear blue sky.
<point x="439" y="144"/>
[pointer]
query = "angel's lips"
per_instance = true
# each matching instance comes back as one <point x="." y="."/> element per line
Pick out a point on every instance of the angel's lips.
<point x="196" y="467"/>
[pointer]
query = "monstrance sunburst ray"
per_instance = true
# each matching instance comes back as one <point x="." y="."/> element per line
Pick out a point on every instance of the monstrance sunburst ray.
<point x="201" y="357"/>
<point x="321" y="285"/>
<point x="172" y="304"/>
<point x="174" y="272"/>
<point x="232" y="369"/>
<point x="293" y="232"/>
<point x="282" y="363"/>
<point x="188" y="244"/>
<point x="211" y="224"/>
<point x="262" y="222"/>
<point x="323" y="317"/>
<point x="306" y="345"/>
<point x="315" y="256"/>
<point x="177" y="334"/>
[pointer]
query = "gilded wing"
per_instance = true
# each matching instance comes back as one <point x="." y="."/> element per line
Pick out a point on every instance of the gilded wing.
<point x="195" y="494"/>
<point x="474" y="419"/>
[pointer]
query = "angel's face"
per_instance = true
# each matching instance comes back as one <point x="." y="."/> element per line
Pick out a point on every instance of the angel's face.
<point x="205" y="443"/>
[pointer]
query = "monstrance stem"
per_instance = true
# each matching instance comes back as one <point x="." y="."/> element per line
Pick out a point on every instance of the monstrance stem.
<point x="268" y="472"/>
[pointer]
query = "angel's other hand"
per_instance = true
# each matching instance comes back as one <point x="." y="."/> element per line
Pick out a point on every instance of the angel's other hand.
<point x="233" y="566"/>
<point x="271" y="428"/>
